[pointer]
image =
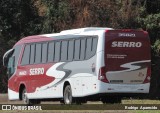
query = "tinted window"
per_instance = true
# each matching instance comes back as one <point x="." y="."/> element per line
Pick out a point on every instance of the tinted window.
<point x="77" y="50"/>
<point x="26" y="55"/>
<point x="64" y="49"/>
<point x="94" y="45"/>
<point x="83" y="49"/>
<point x="70" y="50"/>
<point x="38" y="53"/>
<point x="51" y="50"/>
<point x="32" y="55"/>
<point x="44" y="52"/>
<point x="16" y="54"/>
<point x="13" y="60"/>
<point x="91" y="47"/>
<point x="57" y="51"/>
<point x="88" y="49"/>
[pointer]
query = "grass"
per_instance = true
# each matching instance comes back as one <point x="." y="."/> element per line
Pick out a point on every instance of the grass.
<point x="146" y="111"/>
<point x="138" y="101"/>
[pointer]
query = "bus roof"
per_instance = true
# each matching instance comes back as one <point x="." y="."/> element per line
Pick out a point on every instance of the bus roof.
<point x="81" y="30"/>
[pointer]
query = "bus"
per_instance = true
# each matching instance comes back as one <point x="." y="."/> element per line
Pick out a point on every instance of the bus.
<point x="75" y="65"/>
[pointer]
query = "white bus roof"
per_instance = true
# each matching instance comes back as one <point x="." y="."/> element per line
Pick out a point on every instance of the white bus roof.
<point x="77" y="31"/>
<point x="80" y="30"/>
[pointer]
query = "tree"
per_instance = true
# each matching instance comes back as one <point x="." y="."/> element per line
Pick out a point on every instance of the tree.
<point x="57" y="16"/>
<point x="18" y="18"/>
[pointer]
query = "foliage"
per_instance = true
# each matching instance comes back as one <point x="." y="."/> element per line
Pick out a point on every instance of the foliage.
<point x="3" y="78"/>
<point x="17" y="18"/>
<point x="156" y="48"/>
<point x="151" y="23"/>
<point x="56" y="17"/>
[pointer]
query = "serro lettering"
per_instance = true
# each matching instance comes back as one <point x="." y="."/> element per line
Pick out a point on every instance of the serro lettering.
<point x="126" y="44"/>
<point x="37" y="71"/>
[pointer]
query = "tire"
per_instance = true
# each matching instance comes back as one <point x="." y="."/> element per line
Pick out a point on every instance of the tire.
<point x="67" y="95"/>
<point x="24" y="97"/>
<point x="28" y="101"/>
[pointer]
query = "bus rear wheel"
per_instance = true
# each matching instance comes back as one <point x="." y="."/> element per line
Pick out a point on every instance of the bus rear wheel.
<point x="67" y="96"/>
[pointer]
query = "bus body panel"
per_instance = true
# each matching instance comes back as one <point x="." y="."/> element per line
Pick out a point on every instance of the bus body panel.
<point x="13" y="95"/>
<point x="127" y="65"/>
<point x="127" y="56"/>
<point x="81" y="77"/>
<point x="124" y="88"/>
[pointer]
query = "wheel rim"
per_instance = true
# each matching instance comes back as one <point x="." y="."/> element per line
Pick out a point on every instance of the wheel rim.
<point x="24" y="96"/>
<point x="68" y="96"/>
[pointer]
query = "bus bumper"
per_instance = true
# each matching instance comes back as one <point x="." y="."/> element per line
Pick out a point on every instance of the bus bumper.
<point x="12" y="95"/>
<point x="124" y="88"/>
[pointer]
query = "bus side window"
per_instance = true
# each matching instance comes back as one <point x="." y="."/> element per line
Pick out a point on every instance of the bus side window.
<point x="51" y="51"/>
<point x="44" y="52"/>
<point x="64" y="50"/>
<point x="77" y="50"/>
<point x="38" y="54"/>
<point x="88" y="48"/>
<point x="32" y="55"/>
<point x="94" y="45"/>
<point x="91" y="47"/>
<point x="26" y="55"/>
<point x="83" y="49"/>
<point x="70" y="50"/>
<point x="57" y="51"/>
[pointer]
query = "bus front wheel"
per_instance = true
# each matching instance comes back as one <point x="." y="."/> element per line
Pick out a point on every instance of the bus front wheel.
<point x="67" y="96"/>
<point x="28" y="101"/>
<point x="24" y="97"/>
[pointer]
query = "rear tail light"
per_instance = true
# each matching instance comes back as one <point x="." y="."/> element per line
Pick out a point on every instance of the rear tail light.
<point x="148" y="77"/>
<point x="102" y="75"/>
<point x="106" y="31"/>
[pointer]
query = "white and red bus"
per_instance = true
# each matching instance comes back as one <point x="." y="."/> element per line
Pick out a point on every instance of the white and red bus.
<point x="79" y="63"/>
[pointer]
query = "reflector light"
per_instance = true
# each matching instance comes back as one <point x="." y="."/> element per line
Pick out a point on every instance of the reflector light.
<point x="148" y="77"/>
<point x="102" y="75"/>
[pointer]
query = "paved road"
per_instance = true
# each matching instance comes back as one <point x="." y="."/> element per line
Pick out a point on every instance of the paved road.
<point x="4" y="100"/>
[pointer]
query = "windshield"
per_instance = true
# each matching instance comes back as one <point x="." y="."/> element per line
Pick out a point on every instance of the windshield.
<point x="10" y="60"/>
<point x="11" y="66"/>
